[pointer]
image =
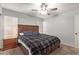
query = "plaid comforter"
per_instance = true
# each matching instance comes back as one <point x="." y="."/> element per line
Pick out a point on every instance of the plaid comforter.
<point x="40" y="44"/>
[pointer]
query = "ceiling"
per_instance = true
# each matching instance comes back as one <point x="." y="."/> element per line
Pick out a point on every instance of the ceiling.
<point x="27" y="8"/>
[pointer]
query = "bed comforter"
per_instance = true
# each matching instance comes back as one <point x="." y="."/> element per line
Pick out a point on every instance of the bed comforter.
<point x="41" y="44"/>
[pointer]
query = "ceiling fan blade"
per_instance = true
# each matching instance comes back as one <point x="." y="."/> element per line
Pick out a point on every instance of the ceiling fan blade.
<point x="34" y="10"/>
<point x="54" y="9"/>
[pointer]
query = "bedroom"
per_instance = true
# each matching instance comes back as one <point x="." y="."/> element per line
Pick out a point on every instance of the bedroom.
<point x="59" y="22"/>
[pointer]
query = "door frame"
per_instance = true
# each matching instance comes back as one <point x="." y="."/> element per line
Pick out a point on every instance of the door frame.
<point x="76" y="32"/>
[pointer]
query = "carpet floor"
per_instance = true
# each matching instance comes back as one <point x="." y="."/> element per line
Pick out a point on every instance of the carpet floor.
<point x="63" y="50"/>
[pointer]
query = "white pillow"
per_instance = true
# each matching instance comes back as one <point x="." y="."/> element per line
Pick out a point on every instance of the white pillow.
<point x="21" y="34"/>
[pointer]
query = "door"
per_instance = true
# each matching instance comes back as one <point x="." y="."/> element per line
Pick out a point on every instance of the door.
<point x="77" y="31"/>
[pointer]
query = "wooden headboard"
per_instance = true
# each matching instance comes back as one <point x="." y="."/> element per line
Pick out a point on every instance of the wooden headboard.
<point x="32" y="28"/>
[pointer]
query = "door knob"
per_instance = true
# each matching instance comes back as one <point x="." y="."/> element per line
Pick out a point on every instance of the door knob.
<point x="76" y="33"/>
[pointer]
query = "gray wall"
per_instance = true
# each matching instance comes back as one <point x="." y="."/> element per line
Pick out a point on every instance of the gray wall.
<point x="25" y="19"/>
<point x="62" y="26"/>
<point x="32" y="21"/>
<point x="1" y="29"/>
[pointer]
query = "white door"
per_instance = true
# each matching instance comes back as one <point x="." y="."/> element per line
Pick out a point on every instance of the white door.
<point x="10" y="27"/>
<point x="77" y="31"/>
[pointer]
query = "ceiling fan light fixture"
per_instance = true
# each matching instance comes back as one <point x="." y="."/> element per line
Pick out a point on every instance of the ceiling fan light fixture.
<point x="43" y="12"/>
<point x="44" y="9"/>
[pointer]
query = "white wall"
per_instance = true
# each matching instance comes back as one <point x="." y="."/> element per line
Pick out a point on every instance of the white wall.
<point x="24" y="19"/>
<point x="62" y="26"/>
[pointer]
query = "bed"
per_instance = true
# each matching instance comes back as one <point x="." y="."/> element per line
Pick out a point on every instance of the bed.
<point x="34" y="43"/>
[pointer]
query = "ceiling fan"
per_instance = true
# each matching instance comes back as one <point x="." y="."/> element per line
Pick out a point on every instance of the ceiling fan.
<point x="44" y="9"/>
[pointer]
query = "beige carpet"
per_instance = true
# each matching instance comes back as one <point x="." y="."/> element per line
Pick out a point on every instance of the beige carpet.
<point x="63" y="50"/>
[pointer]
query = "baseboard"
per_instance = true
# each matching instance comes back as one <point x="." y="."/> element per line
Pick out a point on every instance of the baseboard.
<point x="68" y="43"/>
